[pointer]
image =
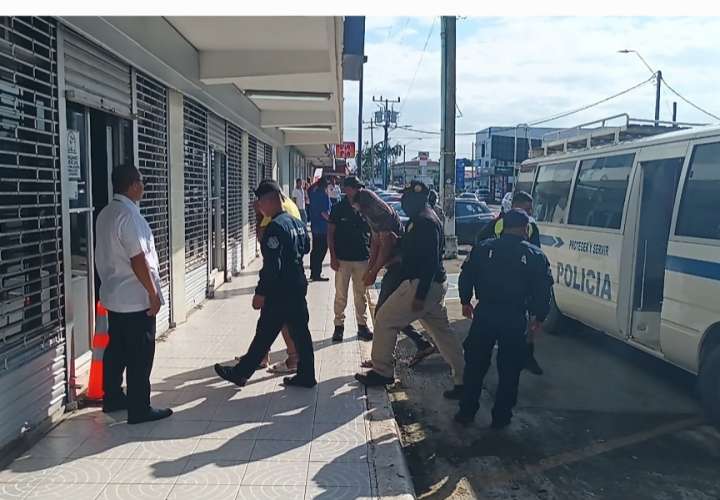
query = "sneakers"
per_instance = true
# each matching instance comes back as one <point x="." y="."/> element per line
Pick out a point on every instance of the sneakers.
<point x="298" y="382"/>
<point x="373" y="379"/>
<point x="364" y="333"/>
<point x="338" y="333"/>
<point x="226" y="373"/>
<point x="455" y="393"/>
<point x="152" y="415"/>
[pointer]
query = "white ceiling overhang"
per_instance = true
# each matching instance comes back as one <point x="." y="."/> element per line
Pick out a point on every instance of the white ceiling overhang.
<point x="289" y="67"/>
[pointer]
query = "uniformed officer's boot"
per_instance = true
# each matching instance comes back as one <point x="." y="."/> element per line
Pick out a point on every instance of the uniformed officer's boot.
<point x="455" y="393"/>
<point x="464" y="418"/>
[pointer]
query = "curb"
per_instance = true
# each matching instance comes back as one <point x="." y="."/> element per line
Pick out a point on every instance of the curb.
<point x="390" y="475"/>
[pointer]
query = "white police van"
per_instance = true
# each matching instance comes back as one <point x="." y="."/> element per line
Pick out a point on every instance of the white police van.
<point x="630" y="221"/>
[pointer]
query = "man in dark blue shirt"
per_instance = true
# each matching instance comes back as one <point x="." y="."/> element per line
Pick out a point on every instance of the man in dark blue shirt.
<point x="510" y="278"/>
<point x="319" y="215"/>
<point x="280" y="293"/>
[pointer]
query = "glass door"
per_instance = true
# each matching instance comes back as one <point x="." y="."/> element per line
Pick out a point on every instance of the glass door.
<point x="79" y="193"/>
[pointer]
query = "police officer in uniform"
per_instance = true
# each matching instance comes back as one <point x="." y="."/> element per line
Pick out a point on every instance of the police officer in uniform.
<point x="494" y="229"/>
<point x="510" y="278"/>
<point x="280" y="293"/>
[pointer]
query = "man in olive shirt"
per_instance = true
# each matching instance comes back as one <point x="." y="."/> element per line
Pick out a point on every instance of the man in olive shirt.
<point x="349" y="245"/>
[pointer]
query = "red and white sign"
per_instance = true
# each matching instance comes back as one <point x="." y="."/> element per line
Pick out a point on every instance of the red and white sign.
<point x="423" y="157"/>
<point x="345" y="150"/>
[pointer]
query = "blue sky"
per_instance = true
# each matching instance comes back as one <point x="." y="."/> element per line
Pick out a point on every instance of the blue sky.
<point x="518" y="69"/>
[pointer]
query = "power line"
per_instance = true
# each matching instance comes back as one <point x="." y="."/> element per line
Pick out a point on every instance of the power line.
<point x="588" y="106"/>
<point x="687" y="100"/>
<point x="417" y="68"/>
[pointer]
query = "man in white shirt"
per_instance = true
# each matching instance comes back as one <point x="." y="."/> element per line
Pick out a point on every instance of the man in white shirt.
<point x="333" y="191"/>
<point x="127" y="265"/>
<point x="298" y="196"/>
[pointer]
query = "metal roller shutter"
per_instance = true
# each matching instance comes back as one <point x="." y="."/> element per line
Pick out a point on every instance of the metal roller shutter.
<point x="235" y="209"/>
<point x="216" y="132"/>
<point x="268" y="161"/>
<point x="32" y="334"/>
<point x="94" y="77"/>
<point x="252" y="184"/>
<point x="151" y="97"/>
<point x="195" y="138"/>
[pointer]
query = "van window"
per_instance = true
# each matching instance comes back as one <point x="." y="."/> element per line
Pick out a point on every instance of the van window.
<point x="699" y="216"/>
<point x="599" y="196"/>
<point x="552" y="190"/>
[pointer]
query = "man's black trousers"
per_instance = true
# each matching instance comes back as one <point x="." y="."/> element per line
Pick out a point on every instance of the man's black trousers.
<point x="511" y="357"/>
<point x="291" y="310"/>
<point x="317" y="254"/>
<point x="131" y="348"/>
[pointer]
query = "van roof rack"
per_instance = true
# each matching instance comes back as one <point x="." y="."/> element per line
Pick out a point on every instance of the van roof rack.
<point x="611" y="130"/>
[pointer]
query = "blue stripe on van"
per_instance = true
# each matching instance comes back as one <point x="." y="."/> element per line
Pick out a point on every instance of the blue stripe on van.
<point x="694" y="267"/>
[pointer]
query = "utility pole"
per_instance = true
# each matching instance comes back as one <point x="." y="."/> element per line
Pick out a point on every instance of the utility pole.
<point x="657" y="96"/>
<point x="447" y="136"/>
<point x="372" y="149"/>
<point x="360" y="123"/>
<point x="674" y="119"/>
<point x="389" y="117"/>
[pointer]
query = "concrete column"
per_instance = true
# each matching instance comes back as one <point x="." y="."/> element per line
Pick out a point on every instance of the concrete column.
<point x="176" y="151"/>
<point x="281" y="158"/>
<point x="245" y="173"/>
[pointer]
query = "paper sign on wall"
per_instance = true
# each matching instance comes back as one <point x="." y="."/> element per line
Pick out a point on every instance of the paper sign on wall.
<point x="73" y="154"/>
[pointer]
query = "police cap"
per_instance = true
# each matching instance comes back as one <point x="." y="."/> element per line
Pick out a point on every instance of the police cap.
<point x="267" y="186"/>
<point x="515" y="218"/>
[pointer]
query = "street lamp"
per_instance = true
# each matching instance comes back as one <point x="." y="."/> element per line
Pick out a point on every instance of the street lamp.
<point x="658" y="80"/>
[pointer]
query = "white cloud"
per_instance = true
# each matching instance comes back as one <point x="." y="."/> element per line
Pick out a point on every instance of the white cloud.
<point x="513" y="70"/>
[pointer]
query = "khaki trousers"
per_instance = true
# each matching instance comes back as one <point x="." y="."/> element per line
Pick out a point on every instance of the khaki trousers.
<point x="396" y="313"/>
<point x="354" y="270"/>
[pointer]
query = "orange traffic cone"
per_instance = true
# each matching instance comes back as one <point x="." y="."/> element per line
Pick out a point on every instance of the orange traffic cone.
<point x="100" y="341"/>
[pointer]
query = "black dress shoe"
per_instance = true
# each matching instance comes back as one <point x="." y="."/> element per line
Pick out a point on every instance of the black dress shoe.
<point x="464" y="418"/>
<point x="373" y="379"/>
<point x="320" y="278"/>
<point x="364" y="333"/>
<point x="299" y="382"/>
<point x="338" y="334"/>
<point x="455" y="393"/>
<point x="151" y="416"/>
<point x="533" y="367"/>
<point x="226" y="373"/>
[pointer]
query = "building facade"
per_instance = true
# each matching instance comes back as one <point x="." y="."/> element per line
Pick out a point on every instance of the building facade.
<point x="427" y="171"/>
<point x="205" y="107"/>
<point x="497" y="155"/>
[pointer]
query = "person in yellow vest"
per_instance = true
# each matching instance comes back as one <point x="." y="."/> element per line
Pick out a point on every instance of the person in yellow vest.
<point x="290" y="363"/>
<point x="523" y="201"/>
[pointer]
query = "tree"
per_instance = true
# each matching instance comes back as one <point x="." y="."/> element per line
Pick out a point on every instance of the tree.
<point x="370" y="163"/>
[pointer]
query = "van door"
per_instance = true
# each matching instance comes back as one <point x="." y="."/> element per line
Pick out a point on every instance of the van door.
<point x="658" y="186"/>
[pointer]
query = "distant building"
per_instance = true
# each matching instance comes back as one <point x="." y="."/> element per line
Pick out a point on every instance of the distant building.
<point x="425" y="170"/>
<point x="496" y="155"/>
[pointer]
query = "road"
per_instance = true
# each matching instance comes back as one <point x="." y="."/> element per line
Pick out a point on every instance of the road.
<point x="604" y="422"/>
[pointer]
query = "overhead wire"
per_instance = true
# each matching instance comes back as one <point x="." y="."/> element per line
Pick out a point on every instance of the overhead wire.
<point x="708" y="113"/>
<point x="417" y="68"/>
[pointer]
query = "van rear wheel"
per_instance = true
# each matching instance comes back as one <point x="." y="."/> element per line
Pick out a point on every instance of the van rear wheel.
<point x="709" y="383"/>
<point x="555" y="320"/>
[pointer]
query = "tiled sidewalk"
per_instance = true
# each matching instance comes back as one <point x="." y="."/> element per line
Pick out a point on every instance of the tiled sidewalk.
<point x="224" y="443"/>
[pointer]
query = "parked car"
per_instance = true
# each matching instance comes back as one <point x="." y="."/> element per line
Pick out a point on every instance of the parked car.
<point x="470" y="217"/>
<point x="389" y="197"/>
<point x="468" y="196"/>
<point x="397" y="206"/>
